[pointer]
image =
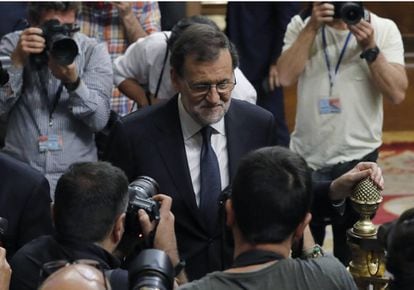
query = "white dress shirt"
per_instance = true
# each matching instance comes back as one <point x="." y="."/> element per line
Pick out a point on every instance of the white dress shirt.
<point x="193" y="142"/>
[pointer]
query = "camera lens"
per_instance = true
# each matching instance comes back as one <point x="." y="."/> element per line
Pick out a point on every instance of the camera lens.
<point x="152" y="269"/>
<point x="63" y="49"/>
<point x="144" y="187"/>
<point x="351" y="12"/>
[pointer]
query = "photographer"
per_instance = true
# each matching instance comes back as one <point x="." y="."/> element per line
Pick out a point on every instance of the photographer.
<point x="89" y="217"/>
<point x="58" y="93"/>
<point x="268" y="212"/>
<point x="345" y="60"/>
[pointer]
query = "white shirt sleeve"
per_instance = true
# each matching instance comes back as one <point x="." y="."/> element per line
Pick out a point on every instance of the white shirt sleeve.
<point x="243" y="90"/>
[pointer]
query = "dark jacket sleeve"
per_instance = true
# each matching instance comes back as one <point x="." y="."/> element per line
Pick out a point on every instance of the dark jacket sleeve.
<point x="36" y="217"/>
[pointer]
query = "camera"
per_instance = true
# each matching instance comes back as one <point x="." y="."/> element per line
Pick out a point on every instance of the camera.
<point x="350" y="12"/>
<point x="5" y="63"/>
<point x="140" y="193"/>
<point x="151" y="269"/>
<point x="59" y="43"/>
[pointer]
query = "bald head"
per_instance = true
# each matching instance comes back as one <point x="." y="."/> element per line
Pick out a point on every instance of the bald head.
<point x="77" y="276"/>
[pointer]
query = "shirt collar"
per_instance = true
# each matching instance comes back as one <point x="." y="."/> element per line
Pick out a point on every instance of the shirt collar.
<point x="191" y="127"/>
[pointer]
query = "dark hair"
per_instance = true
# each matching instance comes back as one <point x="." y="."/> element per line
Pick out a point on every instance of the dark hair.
<point x="400" y="252"/>
<point x="202" y="41"/>
<point x="272" y="193"/>
<point x="184" y="23"/>
<point x="36" y="9"/>
<point x="89" y="197"/>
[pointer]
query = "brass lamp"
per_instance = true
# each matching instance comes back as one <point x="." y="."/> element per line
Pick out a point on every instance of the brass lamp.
<point x="367" y="265"/>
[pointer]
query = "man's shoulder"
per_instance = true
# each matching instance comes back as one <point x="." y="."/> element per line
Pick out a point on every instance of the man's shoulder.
<point x="33" y="251"/>
<point x="329" y="267"/>
<point x="254" y="112"/>
<point x="150" y="113"/>
<point x="381" y="22"/>
<point x="18" y="169"/>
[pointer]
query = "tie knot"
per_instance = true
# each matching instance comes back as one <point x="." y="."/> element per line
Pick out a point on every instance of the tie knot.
<point x="206" y="132"/>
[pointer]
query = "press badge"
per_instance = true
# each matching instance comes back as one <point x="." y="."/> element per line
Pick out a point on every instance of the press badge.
<point x="50" y="143"/>
<point x="329" y="106"/>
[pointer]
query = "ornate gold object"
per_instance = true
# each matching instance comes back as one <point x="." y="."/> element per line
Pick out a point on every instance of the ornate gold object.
<point x="365" y="198"/>
<point x="367" y="265"/>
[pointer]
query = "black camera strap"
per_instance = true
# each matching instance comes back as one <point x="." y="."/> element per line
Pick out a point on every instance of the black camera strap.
<point x="255" y="257"/>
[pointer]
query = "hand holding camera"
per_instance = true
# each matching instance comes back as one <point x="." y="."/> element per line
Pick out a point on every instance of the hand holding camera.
<point x="322" y="12"/>
<point x="30" y="42"/>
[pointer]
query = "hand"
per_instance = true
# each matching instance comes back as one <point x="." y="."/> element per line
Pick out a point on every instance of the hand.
<point x="342" y="186"/>
<point x="5" y="271"/>
<point x="273" y="77"/>
<point x="164" y="238"/>
<point x="65" y="73"/>
<point x="321" y="13"/>
<point x="124" y="8"/>
<point x="31" y="41"/>
<point x="364" y="34"/>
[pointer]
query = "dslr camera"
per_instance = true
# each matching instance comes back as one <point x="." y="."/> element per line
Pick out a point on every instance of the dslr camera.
<point x="59" y="43"/>
<point x="140" y="193"/>
<point x="5" y="63"/>
<point x="151" y="269"/>
<point x="350" y="12"/>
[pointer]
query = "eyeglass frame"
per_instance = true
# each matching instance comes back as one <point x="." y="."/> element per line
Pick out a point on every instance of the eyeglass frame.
<point x="208" y="87"/>
<point x="59" y="264"/>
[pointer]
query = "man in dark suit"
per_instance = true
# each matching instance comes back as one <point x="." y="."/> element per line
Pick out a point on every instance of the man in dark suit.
<point x="165" y="142"/>
<point x="24" y="202"/>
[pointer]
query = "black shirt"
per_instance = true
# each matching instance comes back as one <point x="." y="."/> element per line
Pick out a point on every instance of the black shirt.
<point x="28" y="261"/>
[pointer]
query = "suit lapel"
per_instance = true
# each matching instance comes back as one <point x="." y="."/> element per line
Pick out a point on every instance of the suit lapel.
<point x="172" y="150"/>
<point x="235" y="138"/>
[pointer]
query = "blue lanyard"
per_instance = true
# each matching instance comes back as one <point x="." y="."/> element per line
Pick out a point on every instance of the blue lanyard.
<point x="328" y="63"/>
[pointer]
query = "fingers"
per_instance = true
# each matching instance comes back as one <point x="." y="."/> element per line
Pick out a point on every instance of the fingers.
<point x="165" y="202"/>
<point x="372" y="170"/>
<point x="324" y="12"/>
<point x="5" y="270"/>
<point x="32" y="41"/>
<point x="146" y="225"/>
<point x="273" y="78"/>
<point x="364" y="33"/>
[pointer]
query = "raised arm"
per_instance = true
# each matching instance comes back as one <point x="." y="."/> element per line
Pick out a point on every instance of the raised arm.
<point x="292" y="61"/>
<point x="391" y="78"/>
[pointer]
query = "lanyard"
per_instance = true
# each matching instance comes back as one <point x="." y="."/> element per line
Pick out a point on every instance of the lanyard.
<point x="332" y="75"/>
<point x="254" y="257"/>
<point x="51" y="105"/>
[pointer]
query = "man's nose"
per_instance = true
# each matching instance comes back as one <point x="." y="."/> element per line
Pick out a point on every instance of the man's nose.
<point x="213" y="95"/>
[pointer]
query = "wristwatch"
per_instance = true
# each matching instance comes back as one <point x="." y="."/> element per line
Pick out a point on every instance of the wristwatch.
<point x="370" y="54"/>
<point x="72" y="86"/>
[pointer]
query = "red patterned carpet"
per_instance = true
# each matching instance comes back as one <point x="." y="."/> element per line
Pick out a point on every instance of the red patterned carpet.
<point x="397" y="163"/>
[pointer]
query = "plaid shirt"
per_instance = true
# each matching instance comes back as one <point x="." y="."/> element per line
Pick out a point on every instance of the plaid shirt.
<point x="101" y="20"/>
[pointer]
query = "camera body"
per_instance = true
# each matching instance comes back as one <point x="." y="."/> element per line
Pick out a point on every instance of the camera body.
<point x="59" y="43"/>
<point x="350" y="12"/>
<point x="140" y="193"/>
<point x="151" y="269"/>
<point x="5" y="63"/>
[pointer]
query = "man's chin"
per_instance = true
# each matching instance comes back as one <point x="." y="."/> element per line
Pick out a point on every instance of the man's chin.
<point x="208" y="119"/>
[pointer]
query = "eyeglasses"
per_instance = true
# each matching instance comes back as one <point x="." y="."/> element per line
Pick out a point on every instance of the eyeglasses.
<point x="203" y="89"/>
<point x="50" y="267"/>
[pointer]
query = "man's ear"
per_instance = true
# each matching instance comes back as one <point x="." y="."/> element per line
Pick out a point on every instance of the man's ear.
<point x="118" y="229"/>
<point x="301" y="227"/>
<point x="230" y="219"/>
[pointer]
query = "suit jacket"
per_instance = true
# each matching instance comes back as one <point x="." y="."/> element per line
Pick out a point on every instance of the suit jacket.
<point x="150" y="142"/>
<point x="24" y="202"/>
